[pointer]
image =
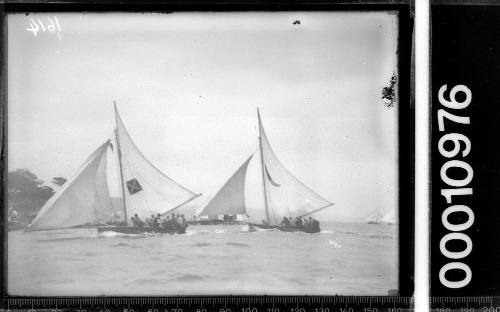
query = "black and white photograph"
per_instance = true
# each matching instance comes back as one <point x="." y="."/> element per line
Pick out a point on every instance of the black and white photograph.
<point x="203" y="153"/>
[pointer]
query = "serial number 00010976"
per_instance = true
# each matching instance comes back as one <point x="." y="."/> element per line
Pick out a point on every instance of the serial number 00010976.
<point x="455" y="147"/>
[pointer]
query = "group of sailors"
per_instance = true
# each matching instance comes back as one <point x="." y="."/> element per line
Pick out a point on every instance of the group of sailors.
<point x="170" y="223"/>
<point x="307" y="224"/>
<point x="173" y="222"/>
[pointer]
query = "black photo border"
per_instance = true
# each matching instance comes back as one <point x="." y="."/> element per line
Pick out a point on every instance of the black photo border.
<point x="406" y="111"/>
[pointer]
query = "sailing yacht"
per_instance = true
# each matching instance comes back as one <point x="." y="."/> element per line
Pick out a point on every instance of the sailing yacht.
<point x="284" y="195"/>
<point x="84" y="200"/>
<point x="376" y="218"/>
<point x="389" y="218"/>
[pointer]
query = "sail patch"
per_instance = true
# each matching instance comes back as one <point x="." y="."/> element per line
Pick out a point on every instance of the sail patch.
<point x="133" y="186"/>
<point x="271" y="180"/>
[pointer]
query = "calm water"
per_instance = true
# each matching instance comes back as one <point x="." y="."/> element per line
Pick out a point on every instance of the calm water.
<point x="344" y="259"/>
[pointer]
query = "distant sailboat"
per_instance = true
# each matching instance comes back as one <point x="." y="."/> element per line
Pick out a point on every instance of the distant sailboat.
<point x="284" y="195"/>
<point x="389" y="218"/>
<point x="378" y="218"/>
<point x="84" y="200"/>
<point x="375" y="219"/>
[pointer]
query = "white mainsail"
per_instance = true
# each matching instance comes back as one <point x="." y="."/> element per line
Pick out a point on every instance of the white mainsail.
<point x="284" y="194"/>
<point x="146" y="189"/>
<point x="230" y="199"/>
<point x="83" y="199"/>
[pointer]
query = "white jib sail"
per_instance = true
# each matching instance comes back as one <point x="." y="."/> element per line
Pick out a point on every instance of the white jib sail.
<point x="286" y="195"/>
<point x="146" y="189"/>
<point x="230" y="199"/>
<point x="83" y="199"/>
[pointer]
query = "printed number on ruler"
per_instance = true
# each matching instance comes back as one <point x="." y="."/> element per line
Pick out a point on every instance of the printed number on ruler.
<point x="45" y="25"/>
<point x="461" y="148"/>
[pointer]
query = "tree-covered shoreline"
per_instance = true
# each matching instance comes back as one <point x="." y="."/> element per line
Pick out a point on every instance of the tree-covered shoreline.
<point x="26" y="194"/>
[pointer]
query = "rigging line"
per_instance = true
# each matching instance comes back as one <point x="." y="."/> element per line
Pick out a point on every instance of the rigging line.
<point x="321" y="208"/>
<point x="118" y="145"/>
<point x="180" y="205"/>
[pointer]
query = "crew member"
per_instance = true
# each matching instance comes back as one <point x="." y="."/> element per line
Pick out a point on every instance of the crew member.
<point x="315" y="225"/>
<point x="285" y="222"/>
<point x="136" y="221"/>
<point x="310" y="225"/>
<point x="166" y="223"/>
<point x="306" y="225"/>
<point x="152" y="221"/>
<point x="298" y="222"/>
<point x="184" y="222"/>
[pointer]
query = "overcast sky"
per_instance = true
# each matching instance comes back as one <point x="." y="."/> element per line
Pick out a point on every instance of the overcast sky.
<point x="187" y="86"/>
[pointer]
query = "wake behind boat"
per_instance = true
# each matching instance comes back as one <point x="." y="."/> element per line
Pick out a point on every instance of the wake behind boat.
<point x="84" y="200"/>
<point x="286" y="228"/>
<point x="142" y="230"/>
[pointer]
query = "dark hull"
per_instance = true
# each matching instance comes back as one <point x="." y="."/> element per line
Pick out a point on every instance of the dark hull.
<point x="15" y="226"/>
<point x="140" y="230"/>
<point x="214" y="222"/>
<point x="286" y="228"/>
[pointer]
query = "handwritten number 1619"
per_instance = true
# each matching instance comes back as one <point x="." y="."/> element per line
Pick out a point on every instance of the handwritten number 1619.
<point x="37" y="25"/>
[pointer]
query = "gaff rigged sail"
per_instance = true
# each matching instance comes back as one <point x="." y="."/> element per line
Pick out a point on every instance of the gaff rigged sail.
<point x="83" y="199"/>
<point x="285" y="195"/>
<point x="146" y="189"/>
<point x="230" y="199"/>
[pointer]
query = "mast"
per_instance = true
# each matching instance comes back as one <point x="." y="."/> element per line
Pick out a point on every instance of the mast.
<point x="262" y="166"/>
<point x="120" y="163"/>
